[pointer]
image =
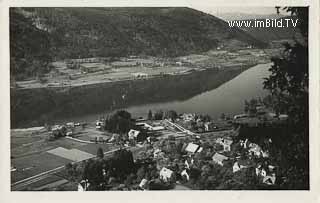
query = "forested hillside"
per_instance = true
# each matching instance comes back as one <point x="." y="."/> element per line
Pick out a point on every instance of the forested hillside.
<point x="39" y="35"/>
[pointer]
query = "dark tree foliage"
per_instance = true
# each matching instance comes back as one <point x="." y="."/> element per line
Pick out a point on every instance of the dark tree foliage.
<point x="30" y="51"/>
<point x="119" y="122"/>
<point x="171" y="114"/>
<point x="158" y="115"/>
<point x="100" y="153"/>
<point x="288" y="85"/>
<point x="93" y="173"/>
<point x="150" y="115"/>
<point x="122" y="163"/>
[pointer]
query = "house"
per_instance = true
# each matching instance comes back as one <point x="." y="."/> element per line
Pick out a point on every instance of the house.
<point x="140" y="75"/>
<point x="255" y="149"/>
<point x="226" y="143"/>
<point x="166" y="174"/>
<point x="157" y="128"/>
<point x="145" y="125"/>
<point x="143" y="184"/>
<point x="241" y="164"/>
<point x="133" y="134"/>
<point x="192" y="148"/>
<point x="187" y="164"/>
<point x="270" y="179"/>
<point x="99" y="124"/>
<point x="188" y="116"/>
<point x="70" y="124"/>
<point x="83" y="185"/>
<point x="209" y="126"/>
<point x="156" y="153"/>
<point x="185" y="174"/>
<point x="265" y="154"/>
<point x="260" y="171"/>
<point x="283" y="117"/>
<point x="240" y="116"/>
<point x="219" y="158"/>
<point x="179" y="63"/>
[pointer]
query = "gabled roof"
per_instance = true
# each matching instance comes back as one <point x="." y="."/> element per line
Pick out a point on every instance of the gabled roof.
<point x="192" y="148"/>
<point x="166" y="172"/>
<point x="270" y="180"/>
<point x="133" y="133"/>
<point x="219" y="157"/>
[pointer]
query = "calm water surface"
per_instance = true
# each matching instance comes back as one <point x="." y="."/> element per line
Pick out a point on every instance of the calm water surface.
<point x="228" y="98"/>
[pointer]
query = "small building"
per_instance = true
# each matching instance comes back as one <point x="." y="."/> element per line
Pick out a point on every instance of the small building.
<point x="188" y="116"/>
<point x="157" y="128"/>
<point x="143" y="184"/>
<point x="70" y="125"/>
<point x="283" y="117"/>
<point x="260" y="171"/>
<point x="99" y="125"/>
<point x="140" y="75"/>
<point x="240" y="116"/>
<point x="255" y="149"/>
<point x="156" y="153"/>
<point x="269" y="179"/>
<point x="219" y="158"/>
<point x="185" y="174"/>
<point x="241" y="164"/>
<point x="133" y="134"/>
<point x="166" y="174"/>
<point x="192" y="148"/>
<point x="226" y="143"/>
<point x="83" y="185"/>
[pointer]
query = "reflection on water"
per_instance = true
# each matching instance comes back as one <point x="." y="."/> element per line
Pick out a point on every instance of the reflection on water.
<point x="228" y="98"/>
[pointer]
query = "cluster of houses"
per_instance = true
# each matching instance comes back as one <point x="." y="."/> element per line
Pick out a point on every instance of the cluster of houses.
<point x="265" y="171"/>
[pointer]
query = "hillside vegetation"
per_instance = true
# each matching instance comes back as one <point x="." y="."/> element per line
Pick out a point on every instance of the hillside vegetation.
<point x="268" y="34"/>
<point x="40" y="35"/>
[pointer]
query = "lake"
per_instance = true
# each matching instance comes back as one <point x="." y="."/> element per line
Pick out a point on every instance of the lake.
<point x="228" y="98"/>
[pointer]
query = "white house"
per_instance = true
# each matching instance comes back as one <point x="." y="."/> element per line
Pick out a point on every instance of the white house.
<point x="260" y="171"/>
<point x="156" y="153"/>
<point x="219" y="158"/>
<point x="240" y="164"/>
<point x="143" y="184"/>
<point x="255" y="149"/>
<point x="269" y="180"/>
<point x="184" y="173"/>
<point x="140" y="75"/>
<point x="192" y="148"/>
<point x="133" y="134"/>
<point x="226" y="143"/>
<point x="83" y="185"/>
<point x="165" y="174"/>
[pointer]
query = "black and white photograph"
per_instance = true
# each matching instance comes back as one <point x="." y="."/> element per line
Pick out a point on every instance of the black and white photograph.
<point x="159" y="98"/>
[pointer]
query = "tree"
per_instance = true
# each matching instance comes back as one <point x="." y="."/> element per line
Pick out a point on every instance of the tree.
<point x="150" y="115"/>
<point x="171" y="115"/>
<point x="158" y="115"/>
<point x="100" y="153"/>
<point x="288" y="86"/>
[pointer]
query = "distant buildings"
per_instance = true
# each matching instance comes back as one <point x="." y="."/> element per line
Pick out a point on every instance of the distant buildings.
<point x="140" y="75"/>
